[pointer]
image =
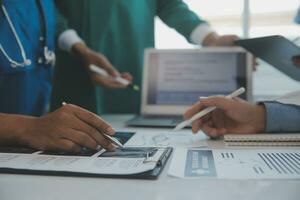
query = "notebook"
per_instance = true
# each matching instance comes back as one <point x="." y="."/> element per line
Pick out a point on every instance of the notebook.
<point x="263" y="140"/>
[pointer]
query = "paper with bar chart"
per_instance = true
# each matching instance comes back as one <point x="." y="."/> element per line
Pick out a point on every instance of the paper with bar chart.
<point x="236" y="164"/>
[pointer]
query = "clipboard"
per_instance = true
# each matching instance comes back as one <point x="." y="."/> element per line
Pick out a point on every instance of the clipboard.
<point x="275" y="50"/>
<point x="150" y="174"/>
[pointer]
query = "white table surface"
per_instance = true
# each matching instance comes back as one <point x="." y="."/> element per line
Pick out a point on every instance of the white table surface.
<point x="33" y="187"/>
<point x="267" y="83"/>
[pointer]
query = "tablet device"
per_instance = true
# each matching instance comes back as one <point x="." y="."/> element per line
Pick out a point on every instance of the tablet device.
<point x="277" y="51"/>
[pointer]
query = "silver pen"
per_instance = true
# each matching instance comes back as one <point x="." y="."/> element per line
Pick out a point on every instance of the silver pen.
<point x="113" y="140"/>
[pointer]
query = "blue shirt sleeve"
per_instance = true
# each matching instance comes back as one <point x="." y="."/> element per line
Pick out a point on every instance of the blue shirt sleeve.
<point x="282" y="117"/>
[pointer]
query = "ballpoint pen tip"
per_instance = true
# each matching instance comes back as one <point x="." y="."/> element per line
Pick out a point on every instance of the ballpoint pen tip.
<point x="136" y="88"/>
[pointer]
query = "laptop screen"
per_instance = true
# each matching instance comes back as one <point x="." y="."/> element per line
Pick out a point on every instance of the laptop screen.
<point x="180" y="78"/>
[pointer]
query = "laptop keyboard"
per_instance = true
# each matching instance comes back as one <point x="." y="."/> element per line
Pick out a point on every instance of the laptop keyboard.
<point x="173" y="119"/>
<point x="155" y="120"/>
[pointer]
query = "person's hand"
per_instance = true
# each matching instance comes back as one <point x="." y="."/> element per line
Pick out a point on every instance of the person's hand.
<point x="213" y="39"/>
<point x="68" y="129"/>
<point x="88" y="57"/>
<point x="231" y="116"/>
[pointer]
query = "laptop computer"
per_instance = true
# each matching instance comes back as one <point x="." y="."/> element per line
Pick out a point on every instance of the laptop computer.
<point x="173" y="80"/>
<point x="275" y="50"/>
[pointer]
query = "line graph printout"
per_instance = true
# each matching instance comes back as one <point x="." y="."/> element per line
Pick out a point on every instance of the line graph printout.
<point x="236" y="164"/>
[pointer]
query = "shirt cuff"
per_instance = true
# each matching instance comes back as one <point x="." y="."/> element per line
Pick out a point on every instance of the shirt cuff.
<point x="67" y="39"/>
<point x="282" y="117"/>
<point x="200" y="33"/>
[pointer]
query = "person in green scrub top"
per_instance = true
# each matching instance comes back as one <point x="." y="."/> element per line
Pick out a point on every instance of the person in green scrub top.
<point x="113" y="34"/>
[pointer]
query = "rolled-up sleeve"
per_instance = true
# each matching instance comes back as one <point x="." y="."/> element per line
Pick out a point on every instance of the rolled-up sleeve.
<point x="282" y="117"/>
<point x="176" y="14"/>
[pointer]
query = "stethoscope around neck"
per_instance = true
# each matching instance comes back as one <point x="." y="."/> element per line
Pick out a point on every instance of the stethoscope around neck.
<point x="48" y="56"/>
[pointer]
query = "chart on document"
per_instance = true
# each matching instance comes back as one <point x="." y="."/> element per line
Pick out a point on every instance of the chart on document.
<point x="165" y="139"/>
<point x="236" y="164"/>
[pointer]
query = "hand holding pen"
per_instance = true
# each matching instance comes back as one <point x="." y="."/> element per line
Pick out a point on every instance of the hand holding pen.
<point x="69" y="128"/>
<point x="103" y="128"/>
<point x="118" y="79"/>
<point x="109" y="75"/>
<point x="227" y="115"/>
<point x="206" y="111"/>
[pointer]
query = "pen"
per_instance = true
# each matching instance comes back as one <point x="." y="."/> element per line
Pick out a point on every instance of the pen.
<point x="119" y="79"/>
<point x="113" y="140"/>
<point x="207" y="110"/>
<point x="110" y="138"/>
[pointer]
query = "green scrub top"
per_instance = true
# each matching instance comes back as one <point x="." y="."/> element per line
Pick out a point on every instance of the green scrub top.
<point x="121" y="30"/>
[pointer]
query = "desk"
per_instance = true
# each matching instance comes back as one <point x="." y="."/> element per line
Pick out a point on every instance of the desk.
<point x="27" y="187"/>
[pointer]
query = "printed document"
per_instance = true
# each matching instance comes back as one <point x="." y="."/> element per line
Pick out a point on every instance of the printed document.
<point x="236" y="164"/>
<point x="125" y="163"/>
<point x="167" y="139"/>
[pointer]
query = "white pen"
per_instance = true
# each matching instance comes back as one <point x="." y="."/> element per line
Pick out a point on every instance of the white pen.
<point x="119" y="79"/>
<point x="108" y="137"/>
<point x="113" y="140"/>
<point x="207" y="110"/>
